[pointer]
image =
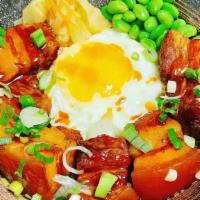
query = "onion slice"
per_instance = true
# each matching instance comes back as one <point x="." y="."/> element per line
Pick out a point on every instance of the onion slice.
<point x="75" y="197"/>
<point x="171" y="175"/>
<point x="64" y="158"/>
<point x="67" y="183"/>
<point x="197" y="175"/>
<point x="167" y="97"/>
<point x="171" y="86"/>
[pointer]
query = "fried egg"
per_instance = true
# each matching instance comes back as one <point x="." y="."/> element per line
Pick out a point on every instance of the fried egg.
<point x="99" y="88"/>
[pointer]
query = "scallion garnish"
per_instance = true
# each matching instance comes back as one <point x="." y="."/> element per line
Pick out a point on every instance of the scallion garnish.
<point x="197" y="92"/>
<point x="163" y="117"/>
<point x="135" y="56"/>
<point x="7" y="113"/>
<point x="6" y="140"/>
<point x="169" y="106"/>
<point x="2" y="38"/>
<point x="34" y="149"/>
<point x="105" y="185"/>
<point x="16" y="187"/>
<point x="21" y="168"/>
<point x="191" y="74"/>
<point x="27" y="101"/>
<point x="174" y="139"/>
<point x="36" y="197"/>
<point x="132" y="135"/>
<point x="38" y="38"/>
<point x="60" y="198"/>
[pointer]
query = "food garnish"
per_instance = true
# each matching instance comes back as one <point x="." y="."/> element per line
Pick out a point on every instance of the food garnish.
<point x="21" y="168"/>
<point x="16" y="187"/>
<point x="171" y="175"/>
<point x="106" y="182"/>
<point x="2" y="38"/>
<point x="174" y="139"/>
<point x="38" y="38"/>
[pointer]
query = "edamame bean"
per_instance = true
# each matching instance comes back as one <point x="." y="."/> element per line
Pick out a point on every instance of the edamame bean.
<point x="154" y="6"/>
<point x="117" y="16"/>
<point x="148" y="43"/>
<point x="143" y="34"/>
<point x="117" y="7"/>
<point x="134" y="32"/>
<point x="171" y="9"/>
<point x="129" y="16"/>
<point x="188" y="30"/>
<point x="158" y="31"/>
<point x="130" y="3"/>
<point x="165" y="18"/>
<point x="139" y="23"/>
<point x="121" y="26"/>
<point x="178" y="23"/>
<point x="143" y="1"/>
<point x="141" y="12"/>
<point x="150" y="24"/>
<point x="105" y="13"/>
<point x="160" y="39"/>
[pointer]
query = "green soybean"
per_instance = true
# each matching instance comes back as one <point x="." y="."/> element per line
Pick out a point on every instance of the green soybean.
<point x="171" y="9"/>
<point x="141" y="12"/>
<point x="117" y="7"/>
<point x="105" y="13"/>
<point x="143" y="1"/>
<point x="148" y="43"/>
<point x="188" y="30"/>
<point x="165" y="18"/>
<point x="178" y="23"/>
<point x="143" y="34"/>
<point x="130" y="3"/>
<point x="139" y="23"/>
<point x="150" y="24"/>
<point x="160" y="39"/>
<point x="154" y="6"/>
<point x="129" y="16"/>
<point x="117" y="16"/>
<point x="158" y="31"/>
<point x="121" y="26"/>
<point x="134" y="32"/>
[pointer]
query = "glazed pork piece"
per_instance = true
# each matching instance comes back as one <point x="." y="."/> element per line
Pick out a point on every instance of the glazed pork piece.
<point x="109" y="155"/>
<point x="21" y="55"/>
<point x="176" y="55"/>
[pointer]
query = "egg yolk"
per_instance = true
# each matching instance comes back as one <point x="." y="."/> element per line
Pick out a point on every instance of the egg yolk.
<point x="97" y="68"/>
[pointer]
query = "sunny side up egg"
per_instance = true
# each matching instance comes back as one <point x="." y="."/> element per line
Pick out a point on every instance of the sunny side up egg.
<point x="100" y="88"/>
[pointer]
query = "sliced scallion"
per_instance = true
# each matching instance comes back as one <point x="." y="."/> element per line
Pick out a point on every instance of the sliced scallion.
<point x="2" y="42"/>
<point x="6" y="140"/>
<point x="27" y="101"/>
<point x="132" y="135"/>
<point x="191" y="74"/>
<point x="150" y="55"/>
<point x="36" y="197"/>
<point x="2" y="32"/>
<point x="41" y="157"/>
<point x="7" y="113"/>
<point x="38" y="38"/>
<point x="105" y="185"/>
<point x="21" y="168"/>
<point x="16" y="187"/>
<point x="135" y="56"/>
<point x="174" y="139"/>
<point x="163" y="117"/>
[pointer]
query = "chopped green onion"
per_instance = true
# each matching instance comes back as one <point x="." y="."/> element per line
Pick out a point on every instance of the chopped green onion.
<point x="163" y="117"/>
<point x="174" y="139"/>
<point x="21" y="168"/>
<point x="2" y="42"/>
<point x="191" y="74"/>
<point x="30" y="148"/>
<point x="2" y="32"/>
<point x="131" y="135"/>
<point x="27" y="101"/>
<point x="7" y="113"/>
<point x="46" y="80"/>
<point x="36" y="197"/>
<point x="150" y="55"/>
<point x="38" y="38"/>
<point x="135" y="56"/>
<point x="60" y="198"/>
<point x="24" y="140"/>
<point x="105" y="185"/>
<point x="39" y="156"/>
<point x="197" y="92"/>
<point x="168" y="105"/>
<point x="75" y="190"/>
<point x="6" y="140"/>
<point x="16" y="187"/>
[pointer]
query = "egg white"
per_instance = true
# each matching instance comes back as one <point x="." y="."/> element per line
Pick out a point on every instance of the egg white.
<point x="88" y="117"/>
